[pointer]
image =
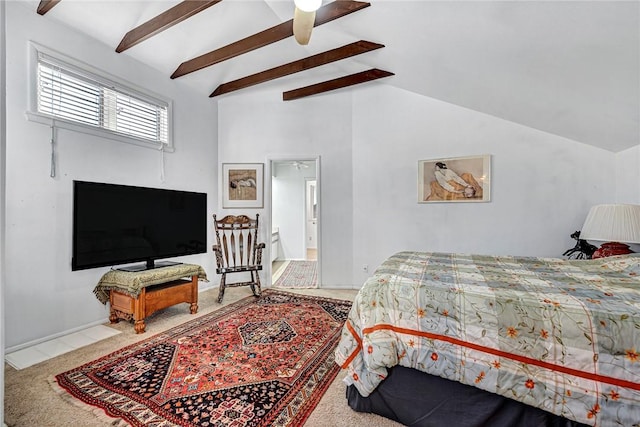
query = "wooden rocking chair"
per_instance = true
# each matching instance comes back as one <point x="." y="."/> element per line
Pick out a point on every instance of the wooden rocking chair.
<point x="238" y="251"/>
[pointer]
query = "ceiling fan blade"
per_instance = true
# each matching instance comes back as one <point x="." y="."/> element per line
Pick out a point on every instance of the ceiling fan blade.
<point x="46" y="5"/>
<point x="302" y="25"/>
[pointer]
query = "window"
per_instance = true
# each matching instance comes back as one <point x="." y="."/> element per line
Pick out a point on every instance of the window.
<point x="69" y="93"/>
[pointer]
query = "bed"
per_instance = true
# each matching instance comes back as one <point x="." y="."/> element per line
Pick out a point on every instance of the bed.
<point x="554" y="335"/>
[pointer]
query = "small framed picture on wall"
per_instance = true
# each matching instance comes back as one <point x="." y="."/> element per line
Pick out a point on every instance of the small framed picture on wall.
<point x="455" y="179"/>
<point x="242" y="185"/>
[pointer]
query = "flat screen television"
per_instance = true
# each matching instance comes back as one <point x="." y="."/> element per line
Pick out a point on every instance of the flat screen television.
<point x="121" y="224"/>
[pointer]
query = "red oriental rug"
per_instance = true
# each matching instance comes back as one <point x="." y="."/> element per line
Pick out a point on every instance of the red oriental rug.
<point x="256" y="362"/>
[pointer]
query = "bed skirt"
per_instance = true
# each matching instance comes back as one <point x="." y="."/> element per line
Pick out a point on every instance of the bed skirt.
<point x="414" y="398"/>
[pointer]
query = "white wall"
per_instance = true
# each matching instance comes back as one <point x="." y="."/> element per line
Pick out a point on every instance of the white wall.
<point x="628" y="176"/>
<point x="256" y="127"/>
<point x="542" y="186"/>
<point x="371" y="139"/>
<point x="3" y="87"/>
<point x="44" y="298"/>
<point x="628" y="180"/>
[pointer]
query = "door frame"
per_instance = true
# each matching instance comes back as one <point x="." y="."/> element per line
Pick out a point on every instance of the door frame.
<point x="269" y="205"/>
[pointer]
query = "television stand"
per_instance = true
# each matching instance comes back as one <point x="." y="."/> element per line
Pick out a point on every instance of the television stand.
<point x="135" y="295"/>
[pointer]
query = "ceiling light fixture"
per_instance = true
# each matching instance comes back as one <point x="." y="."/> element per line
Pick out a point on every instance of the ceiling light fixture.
<point x="308" y="5"/>
<point x="303" y="19"/>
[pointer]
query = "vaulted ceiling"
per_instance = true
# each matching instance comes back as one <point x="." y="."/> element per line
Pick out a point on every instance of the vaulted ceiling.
<point x="571" y="68"/>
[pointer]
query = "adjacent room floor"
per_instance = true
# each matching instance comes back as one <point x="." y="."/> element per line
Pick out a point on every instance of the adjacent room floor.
<point x="300" y="274"/>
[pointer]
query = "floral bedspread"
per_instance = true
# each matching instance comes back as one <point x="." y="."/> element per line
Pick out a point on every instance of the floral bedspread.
<point x="561" y="335"/>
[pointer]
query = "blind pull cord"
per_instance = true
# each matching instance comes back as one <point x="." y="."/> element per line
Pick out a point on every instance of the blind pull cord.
<point x="52" y="174"/>
<point x="161" y="162"/>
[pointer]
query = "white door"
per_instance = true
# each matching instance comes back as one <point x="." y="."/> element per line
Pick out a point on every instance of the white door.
<point x="311" y="201"/>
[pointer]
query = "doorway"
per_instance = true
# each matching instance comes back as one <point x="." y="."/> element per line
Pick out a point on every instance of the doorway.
<point x="295" y="223"/>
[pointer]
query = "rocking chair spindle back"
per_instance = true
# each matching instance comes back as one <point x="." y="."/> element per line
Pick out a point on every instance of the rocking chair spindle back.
<point x="238" y="251"/>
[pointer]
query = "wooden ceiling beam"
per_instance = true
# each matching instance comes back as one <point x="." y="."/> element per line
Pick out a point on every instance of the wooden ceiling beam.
<point x="166" y="19"/>
<point x="307" y="63"/>
<point x="46" y="5"/>
<point x="327" y="13"/>
<point x="338" y="83"/>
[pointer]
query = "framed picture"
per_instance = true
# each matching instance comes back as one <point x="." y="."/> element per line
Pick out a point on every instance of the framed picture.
<point x="242" y="185"/>
<point x="455" y="179"/>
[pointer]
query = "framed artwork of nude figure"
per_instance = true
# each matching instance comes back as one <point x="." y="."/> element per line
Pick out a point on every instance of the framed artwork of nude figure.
<point x="242" y="185"/>
<point x="455" y="179"/>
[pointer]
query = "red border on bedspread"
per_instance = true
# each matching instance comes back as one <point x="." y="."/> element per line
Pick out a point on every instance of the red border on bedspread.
<point x="496" y="352"/>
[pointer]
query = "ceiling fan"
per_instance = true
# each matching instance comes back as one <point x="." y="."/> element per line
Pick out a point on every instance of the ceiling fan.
<point x="304" y="18"/>
<point x="298" y="164"/>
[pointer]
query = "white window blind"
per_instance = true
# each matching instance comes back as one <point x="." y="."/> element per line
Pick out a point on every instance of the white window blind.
<point x="69" y="93"/>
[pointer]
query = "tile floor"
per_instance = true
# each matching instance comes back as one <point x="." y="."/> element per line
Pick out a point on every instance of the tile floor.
<point x="46" y="350"/>
<point x="277" y="268"/>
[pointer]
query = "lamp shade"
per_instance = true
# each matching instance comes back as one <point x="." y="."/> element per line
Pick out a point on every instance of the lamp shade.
<point x="612" y="223"/>
<point x="308" y="5"/>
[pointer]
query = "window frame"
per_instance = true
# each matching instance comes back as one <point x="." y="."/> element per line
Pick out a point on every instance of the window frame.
<point x="100" y="78"/>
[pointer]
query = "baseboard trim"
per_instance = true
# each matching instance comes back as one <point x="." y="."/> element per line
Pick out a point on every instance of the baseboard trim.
<point x="22" y="346"/>
<point x="9" y="350"/>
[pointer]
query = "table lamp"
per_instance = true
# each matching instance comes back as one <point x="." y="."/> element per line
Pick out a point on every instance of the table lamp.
<point x="614" y="224"/>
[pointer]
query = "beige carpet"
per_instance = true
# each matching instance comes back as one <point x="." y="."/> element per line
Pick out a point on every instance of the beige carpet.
<point x="31" y="401"/>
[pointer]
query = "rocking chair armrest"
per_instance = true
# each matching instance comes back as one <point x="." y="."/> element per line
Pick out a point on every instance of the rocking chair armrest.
<point x="259" y="248"/>
<point x="218" y="251"/>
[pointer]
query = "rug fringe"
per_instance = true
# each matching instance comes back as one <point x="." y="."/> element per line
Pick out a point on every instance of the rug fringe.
<point x="99" y="413"/>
